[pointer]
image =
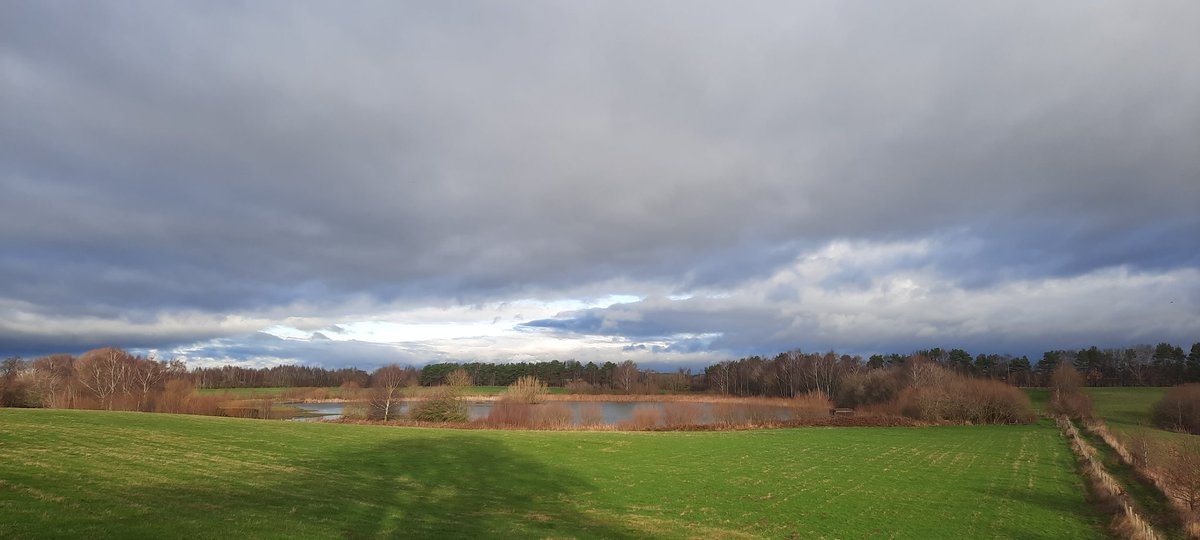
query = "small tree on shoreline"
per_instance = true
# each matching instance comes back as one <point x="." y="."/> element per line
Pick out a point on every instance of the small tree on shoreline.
<point x="387" y="390"/>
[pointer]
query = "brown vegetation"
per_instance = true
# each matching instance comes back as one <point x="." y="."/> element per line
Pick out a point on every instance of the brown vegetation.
<point x="591" y="414"/>
<point x="459" y="378"/>
<point x="1109" y="493"/>
<point x="955" y="398"/>
<point x="1066" y="393"/>
<point x="441" y="405"/>
<point x="643" y="417"/>
<point x="552" y="416"/>
<point x="510" y="413"/>
<point x="682" y="413"/>
<point x="1179" y="409"/>
<point x="527" y="389"/>
<point x="1171" y="465"/>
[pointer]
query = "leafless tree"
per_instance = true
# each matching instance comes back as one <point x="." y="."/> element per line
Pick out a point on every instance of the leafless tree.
<point x="626" y="375"/>
<point x="387" y="389"/>
<point x="105" y="373"/>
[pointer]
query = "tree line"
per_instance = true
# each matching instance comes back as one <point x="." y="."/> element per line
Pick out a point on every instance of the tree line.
<point x="110" y="377"/>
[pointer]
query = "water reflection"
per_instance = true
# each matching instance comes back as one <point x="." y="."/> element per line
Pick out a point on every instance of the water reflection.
<point x="612" y="412"/>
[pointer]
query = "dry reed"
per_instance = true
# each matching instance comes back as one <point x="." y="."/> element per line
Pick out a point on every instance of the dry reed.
<point x="1126" y="521"/>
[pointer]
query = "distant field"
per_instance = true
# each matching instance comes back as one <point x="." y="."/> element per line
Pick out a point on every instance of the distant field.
<point x="1120" y="407"/>
<point x="1123" y="408"/>
<point x="87" y="474"/>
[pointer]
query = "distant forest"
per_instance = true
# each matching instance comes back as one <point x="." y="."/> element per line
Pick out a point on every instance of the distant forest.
<point x="786" y="374"/>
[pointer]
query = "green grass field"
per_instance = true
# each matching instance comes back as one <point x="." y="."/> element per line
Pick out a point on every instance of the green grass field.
<point x="86" y="474"/>
<point x="1124" y="408"/>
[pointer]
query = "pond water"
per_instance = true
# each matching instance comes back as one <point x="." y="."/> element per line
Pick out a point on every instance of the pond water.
<point x="611" y="412"/>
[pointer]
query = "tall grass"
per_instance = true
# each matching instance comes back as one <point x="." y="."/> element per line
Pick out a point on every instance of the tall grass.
<point x="682" y="413"/>
<point x="591" y="414"/>
<point x="643" y="417"/>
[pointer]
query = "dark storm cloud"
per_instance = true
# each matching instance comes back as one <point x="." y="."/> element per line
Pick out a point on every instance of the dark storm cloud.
<point x="228" y="157"/>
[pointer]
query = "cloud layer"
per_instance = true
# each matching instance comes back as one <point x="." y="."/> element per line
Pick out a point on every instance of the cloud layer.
<point x="184" y="177"/>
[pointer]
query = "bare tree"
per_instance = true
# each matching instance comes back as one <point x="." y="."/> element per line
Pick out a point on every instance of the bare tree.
<point x="822" y="372"/>
<point x="1182" y="471"/>
<point x="387" y="384"/>
<point x="625" y="375"/>
<point x="53" y="382"/>
<point x="147" y="376"/>
<point x="459" y="378"/>
<point x="105" y="372"/>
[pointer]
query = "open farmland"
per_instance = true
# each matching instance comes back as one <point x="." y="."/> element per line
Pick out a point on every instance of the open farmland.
<point x="98" y="474"/>
<point x="1123" y="408"/>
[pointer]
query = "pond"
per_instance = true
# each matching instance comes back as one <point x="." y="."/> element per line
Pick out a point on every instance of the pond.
<point x="611" y="412"/>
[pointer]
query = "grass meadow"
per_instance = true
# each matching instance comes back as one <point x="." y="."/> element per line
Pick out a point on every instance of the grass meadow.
<point x="92" y="474"/>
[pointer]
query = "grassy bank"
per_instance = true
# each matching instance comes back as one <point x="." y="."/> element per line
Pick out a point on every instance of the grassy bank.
<point x="102" y="475"/>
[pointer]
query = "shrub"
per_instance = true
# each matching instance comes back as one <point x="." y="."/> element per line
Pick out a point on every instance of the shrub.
<point x="1179" y="409"/>
<point x="962" y="399"/>
<point x="552" y="415"/>
<point x="1066" y="393"/>
<point x="527" y="389"/>
<point x="509" y="413"/>
<point x="442" y="405"/>
<point x="680" y="413"/>
<point x="591" y="413"/>
<point x="350" y="390"/>
<point x="356" y="410"/>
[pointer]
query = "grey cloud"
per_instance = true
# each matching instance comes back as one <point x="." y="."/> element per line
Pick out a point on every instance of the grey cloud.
<point x="229" y="157"/>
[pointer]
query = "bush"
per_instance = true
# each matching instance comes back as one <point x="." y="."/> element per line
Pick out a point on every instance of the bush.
<point x="1179" y="409"/>
<point x="962" y="399"/>
<point x="1066" y="393"/>
<point x="350" y="390"/>
<point x="442" y="405"/>
<point x="356" y="410"/>
<point x="527" y="389"/>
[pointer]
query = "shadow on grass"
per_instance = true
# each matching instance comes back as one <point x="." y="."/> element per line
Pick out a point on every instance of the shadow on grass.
<point x="409" y="487"/>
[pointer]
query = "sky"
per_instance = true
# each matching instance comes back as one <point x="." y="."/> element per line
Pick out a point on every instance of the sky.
<point x="674" y="183"/>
